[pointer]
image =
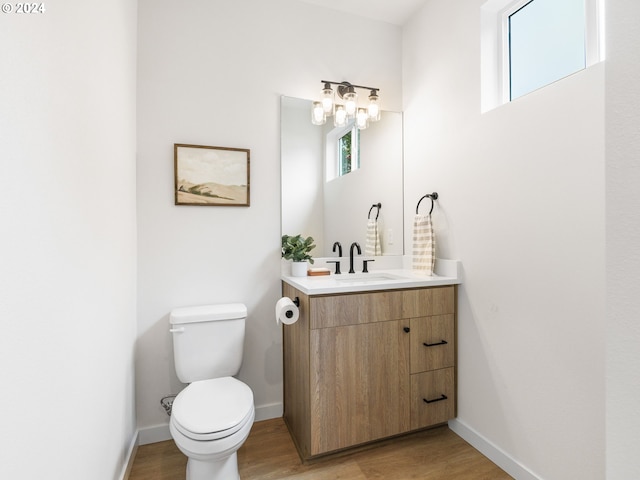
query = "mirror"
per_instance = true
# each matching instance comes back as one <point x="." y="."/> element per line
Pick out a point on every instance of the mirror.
<point x="318" y="202"/>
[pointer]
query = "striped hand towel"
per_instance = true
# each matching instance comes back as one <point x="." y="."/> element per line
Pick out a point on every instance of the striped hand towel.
<point x="372" y="245"/>
<point x="424" y="245"/>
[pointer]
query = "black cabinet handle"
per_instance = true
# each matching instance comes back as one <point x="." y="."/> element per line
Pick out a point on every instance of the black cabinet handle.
<point x="406" y="329"/>
<point x="442" y="397"/>
<point x="441" y="342"/>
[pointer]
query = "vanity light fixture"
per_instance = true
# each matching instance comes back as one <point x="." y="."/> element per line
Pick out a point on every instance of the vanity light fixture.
<point x="349" y="110"/>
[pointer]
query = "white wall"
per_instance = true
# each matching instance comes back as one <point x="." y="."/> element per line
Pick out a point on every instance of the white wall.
<point x="623" y="239"/>
<point x="67" y="242"/>
<point x="213" y="74"/>
<point x="522" y="205"/>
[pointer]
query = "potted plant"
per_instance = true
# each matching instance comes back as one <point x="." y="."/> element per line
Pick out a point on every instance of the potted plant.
<point x="297" y="249"/>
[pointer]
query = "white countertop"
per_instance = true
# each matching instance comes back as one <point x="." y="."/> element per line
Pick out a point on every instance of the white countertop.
<point x="375" y="280"/>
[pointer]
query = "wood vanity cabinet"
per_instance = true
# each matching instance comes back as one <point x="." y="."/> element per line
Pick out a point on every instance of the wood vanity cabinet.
<point x="361" y="367"/>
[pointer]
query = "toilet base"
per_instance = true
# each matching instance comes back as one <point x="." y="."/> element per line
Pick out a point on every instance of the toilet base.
<point x="223" y="469"/>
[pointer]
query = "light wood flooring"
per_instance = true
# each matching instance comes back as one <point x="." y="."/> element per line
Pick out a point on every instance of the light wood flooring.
<point x="269" y="454"/>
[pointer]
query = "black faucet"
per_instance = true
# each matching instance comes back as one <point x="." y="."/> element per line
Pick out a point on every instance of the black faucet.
<point x="337" y="262"/>
<point x="354" y="244"/>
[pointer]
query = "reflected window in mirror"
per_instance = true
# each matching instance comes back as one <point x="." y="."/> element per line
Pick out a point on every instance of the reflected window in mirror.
<point x="349" y="151"/>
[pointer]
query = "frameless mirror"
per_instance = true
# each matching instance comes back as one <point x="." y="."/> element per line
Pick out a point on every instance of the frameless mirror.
<point x="321" y="200"/>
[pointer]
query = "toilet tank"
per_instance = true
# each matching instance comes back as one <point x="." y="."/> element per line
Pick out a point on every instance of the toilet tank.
<point x="208" y="340"/>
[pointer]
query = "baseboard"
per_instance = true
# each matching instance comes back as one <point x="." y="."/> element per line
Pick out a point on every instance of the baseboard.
<point x="160" y="433"/>
<point x="267" y="412"/>
<point x="154" y="434"/>
<point x="131" y="456"/>
<point x="492" y="451"/>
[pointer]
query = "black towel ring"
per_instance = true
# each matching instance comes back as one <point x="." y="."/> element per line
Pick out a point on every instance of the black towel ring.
<point x="375" y="205"/>
<point x="433" y="196"/>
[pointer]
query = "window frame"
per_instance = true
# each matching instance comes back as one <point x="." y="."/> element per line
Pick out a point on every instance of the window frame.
<point x="594" y="40"/>
<point x="355" y="148"/>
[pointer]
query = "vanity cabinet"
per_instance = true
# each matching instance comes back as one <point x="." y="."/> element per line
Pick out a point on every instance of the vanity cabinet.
<point x="360" y="367"/>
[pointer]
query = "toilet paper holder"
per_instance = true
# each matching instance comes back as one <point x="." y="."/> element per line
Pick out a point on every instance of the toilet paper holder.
<point x="296" y="302"/>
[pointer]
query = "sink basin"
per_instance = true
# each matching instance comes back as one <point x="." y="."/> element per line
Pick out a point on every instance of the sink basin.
<point x="362" y="278"/>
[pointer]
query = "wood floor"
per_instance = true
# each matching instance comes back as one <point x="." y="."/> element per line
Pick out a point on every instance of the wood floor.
<point x="269" y="454"/>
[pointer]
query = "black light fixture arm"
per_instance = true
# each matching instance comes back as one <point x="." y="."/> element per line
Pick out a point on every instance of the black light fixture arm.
<point x="343" y="86"/>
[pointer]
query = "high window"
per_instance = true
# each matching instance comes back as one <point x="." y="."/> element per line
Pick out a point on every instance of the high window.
<point x="545" y="42"/>
<point x="528" y="44"/>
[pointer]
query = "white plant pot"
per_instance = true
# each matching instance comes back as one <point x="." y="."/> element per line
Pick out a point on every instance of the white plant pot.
<point x="299" y="269"/>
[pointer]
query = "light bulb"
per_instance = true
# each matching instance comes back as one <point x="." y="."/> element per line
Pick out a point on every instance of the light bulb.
<point x="350" y="102"/>
<point x="317" y="114"/>
<point x="373" y="108"/>
<point x="362" y="118"/>
<point x="340" y="118"/>
<point x="327" y="99"/>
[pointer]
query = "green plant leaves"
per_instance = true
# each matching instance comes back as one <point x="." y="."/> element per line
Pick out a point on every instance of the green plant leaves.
<point x="297" y="248"/>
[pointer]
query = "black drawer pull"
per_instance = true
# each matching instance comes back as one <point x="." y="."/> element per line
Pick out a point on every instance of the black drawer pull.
<point x="442" y="397"/>
<point x="441" y="342"/>
<point x="406" y="329"/>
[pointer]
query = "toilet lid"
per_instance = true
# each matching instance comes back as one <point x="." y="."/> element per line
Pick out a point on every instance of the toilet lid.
<point x="210" y="409"/>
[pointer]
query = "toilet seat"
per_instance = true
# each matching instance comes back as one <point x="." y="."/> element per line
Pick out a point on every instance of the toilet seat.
<point x="212" y="409"/>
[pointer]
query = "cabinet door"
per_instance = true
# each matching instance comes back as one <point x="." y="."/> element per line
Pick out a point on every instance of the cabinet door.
<point x="432" y="397"/>
<point x="360" y="384"/>
<point x="432" y="343"/>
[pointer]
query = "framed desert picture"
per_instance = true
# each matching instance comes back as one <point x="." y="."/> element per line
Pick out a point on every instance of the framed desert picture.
<point x="211" y="175"/>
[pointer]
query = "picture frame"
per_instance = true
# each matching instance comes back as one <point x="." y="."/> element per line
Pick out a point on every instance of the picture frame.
<point x="211" y="176"/>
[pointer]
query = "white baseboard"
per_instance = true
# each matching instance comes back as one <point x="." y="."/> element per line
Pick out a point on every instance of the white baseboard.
<point x="492" y="451"/>
<point x="160" y="433"/>
<point x="131" y="456"/>
<point x="267" y="412"/>
<point x="154" y="434"/>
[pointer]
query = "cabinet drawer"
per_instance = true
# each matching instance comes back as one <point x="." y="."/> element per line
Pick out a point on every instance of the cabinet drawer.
<point x="432" y="343"/>
<point x="354" y="309"/>
<point x="432" y="397"/>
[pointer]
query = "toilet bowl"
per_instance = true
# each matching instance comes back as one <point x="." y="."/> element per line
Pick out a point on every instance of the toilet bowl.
<point x="210" y="420"/>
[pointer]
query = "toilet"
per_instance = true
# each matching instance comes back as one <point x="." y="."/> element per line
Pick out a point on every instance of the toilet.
<point x="211" y="418"/>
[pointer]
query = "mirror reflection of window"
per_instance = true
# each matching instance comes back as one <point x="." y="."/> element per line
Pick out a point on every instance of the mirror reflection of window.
<point x="349" y="151"/>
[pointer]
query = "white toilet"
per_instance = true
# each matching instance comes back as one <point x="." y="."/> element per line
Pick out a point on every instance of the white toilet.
<point x="211" y="418"/>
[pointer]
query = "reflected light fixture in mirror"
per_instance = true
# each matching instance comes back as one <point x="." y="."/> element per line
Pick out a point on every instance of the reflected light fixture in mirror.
<point x="318" y="116"/>
<point x="362" y="118"/>
<point x="340" y="116"/>
<point x="342" y="113"/>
